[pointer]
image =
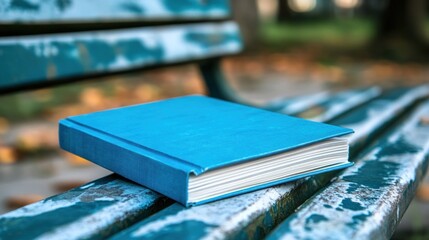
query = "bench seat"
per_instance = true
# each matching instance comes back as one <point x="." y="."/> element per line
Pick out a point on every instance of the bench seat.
<point x="113" y="206"/>
<point x="367" y="200"/>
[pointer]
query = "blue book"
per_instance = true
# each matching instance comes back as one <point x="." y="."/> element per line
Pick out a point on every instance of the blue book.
<point x="197" y="149"/>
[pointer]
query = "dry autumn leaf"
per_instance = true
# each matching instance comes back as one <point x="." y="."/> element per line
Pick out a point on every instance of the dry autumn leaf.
<point x="7" y="155"/>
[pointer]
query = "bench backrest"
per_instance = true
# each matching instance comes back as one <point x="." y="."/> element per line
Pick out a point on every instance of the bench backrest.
<point x="44" y="43"/>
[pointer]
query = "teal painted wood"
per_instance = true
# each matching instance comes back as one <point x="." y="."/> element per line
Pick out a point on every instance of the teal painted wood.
<point x="46" y="58"/>
<point x="313" y="106"/>
<point x="343" y="102"/>
<point x="254" y="215"/>
<point x="77" y="11"/>
<point x="250" y="215"/>
<point x="133" y="206"/>
<point x="298" y="104"/>
<point x="387" y="108"/>
<point x="92" y="211"/>
<point x="367" y="200"/>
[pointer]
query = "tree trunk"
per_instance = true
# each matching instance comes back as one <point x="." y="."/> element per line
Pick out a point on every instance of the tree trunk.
<point x="404" y="20"/>
<point x="246" y="14"/>
<point x="283" y="11"/>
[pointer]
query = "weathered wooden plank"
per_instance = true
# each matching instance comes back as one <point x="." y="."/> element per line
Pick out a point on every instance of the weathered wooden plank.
<point x="324" y="106"/>
<point x="95" y="210"/>
<point x="77" y="11"/>
<point x="387" y="108"/>
<point x="298" y="104"/>
<point x="258" y="211"/>
<point x="47" y="58"/>
<point x="368" y="200"/>
<point x="340" y="103"/>
<point x="253" y="215"/>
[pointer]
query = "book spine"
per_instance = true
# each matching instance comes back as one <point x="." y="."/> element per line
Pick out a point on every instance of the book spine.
<point x="137" y="164"/>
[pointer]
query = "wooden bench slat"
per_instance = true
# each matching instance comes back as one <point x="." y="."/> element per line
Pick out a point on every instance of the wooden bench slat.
<point x="368" y="200"/>
<point x="386" y="108"/>
<point x="265" y="206"/>
<point x="298" y="104"/>
<point x="47" y="59"/>
<point x="78" y="11"/>
<point x="341" y="103"/>
<point x="94" y="210"/>
<point x="253" y="215"/>
<point x="313" y="106"/>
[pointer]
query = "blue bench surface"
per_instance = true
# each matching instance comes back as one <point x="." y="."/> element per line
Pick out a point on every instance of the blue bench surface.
<point x="115" y="207"/>
<point x="367" y="200"/>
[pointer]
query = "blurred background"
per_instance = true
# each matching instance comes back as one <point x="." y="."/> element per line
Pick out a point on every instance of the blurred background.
<point x="293" y="47"/>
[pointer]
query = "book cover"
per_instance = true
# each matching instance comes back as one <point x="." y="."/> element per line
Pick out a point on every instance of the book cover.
<point x="165" y="144"/>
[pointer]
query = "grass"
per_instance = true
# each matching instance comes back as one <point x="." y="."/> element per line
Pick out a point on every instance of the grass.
<point x="343" y="33"/>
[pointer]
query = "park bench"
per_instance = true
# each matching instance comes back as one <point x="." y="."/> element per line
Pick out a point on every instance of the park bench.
<point x="48" y="43"/>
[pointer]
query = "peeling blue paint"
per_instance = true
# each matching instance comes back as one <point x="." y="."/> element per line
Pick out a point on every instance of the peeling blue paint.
<point x="108" y="204"/>
<point x="357" y="219"/>
<point x="379" y="104"/>
<point x="32" y="226"/>
<point x="135" y="50"/>
<point x="230" y="216"/>
<point x="316" y="218"/>
<point x="368" y="198"/>
<point x="132" y="7"/>
<point x="30" y="59"/>
<point x="186" y="5"/>
<point x="347" y="203"/>
<point x="56" y="11"/>
<point x="374" y="174"/>
<point x="400" y="146"/>
<point x="24" y="5"/>
<point x="226" y="218"/>
<point x="205" y="40"/>
<point x="63" y="4"/>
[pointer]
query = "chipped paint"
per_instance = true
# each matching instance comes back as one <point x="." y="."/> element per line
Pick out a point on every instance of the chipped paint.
<point x="378" y="112"/>
<point x="344" y="101"/>
<point x="94" y="210"/>
<point x="245" y="216"/>
<point x="300" y="104"/>
<point x="228" y="213"/>
<point x="61" y="56"/>
<point x="78" y="11"/>
<point x="367" y="200"/>
<point x="326" y="105"/>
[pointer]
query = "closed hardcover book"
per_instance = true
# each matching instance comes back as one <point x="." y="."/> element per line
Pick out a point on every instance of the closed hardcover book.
<point x="197" y="149"/>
